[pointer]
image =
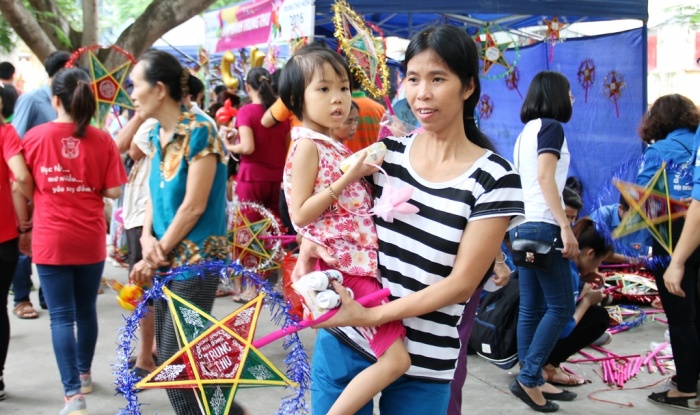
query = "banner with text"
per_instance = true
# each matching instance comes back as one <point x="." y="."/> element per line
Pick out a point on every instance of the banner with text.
<point x="257" y="22"/>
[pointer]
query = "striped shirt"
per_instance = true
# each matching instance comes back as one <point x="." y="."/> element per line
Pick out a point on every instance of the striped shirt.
<point x="418" y="250"/>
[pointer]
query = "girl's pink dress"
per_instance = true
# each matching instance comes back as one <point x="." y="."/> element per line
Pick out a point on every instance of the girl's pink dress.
<point x="351" y="236"/>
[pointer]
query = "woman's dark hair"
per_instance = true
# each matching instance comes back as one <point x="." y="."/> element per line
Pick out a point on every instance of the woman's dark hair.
<point x="353" y="104"/>
<point x="300" y="69"/>
<point x="73" y="89"/>
<point x="275" y="77"/>
<point x="594" y="237"/>
<point x="458" y="51"/>
<point x="195" y="86"/>
<point x="547" y="97"/>
<point x="260" y="80"/>
<point x="667" y="114"/>
<point x="9" y="98"/>
<point x="571" y="198"/>
<point x="575" y="184"/>
<point x="165" y="68"/>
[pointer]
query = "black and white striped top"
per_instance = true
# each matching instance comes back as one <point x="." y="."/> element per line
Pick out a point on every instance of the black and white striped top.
<point x="418" y="250"/>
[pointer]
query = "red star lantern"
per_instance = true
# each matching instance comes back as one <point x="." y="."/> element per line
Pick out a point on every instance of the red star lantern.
<point x="217" y="356"/>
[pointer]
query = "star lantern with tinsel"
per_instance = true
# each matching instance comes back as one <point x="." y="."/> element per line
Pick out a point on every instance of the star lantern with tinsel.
<point x="216" y="356"/>
<point x="491" y="52"/>
<point x="254" y="238"/>
<point x="586" y="75"/>
<point x="612" y="88"/>
<point x="485" y="107"/>
<point x="107" y="86"/>
<point x="651" y="208"/>
<point x="512" y="80"/>
<point x="553" y="33"/>
<point x="364" y="50"/>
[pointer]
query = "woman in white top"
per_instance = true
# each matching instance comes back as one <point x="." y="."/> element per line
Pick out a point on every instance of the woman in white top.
<point x="541" y="156"/>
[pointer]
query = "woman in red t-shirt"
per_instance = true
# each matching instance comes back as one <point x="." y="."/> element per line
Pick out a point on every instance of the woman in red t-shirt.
<point x="74" y="166"/>
<point x="14" y="221"/>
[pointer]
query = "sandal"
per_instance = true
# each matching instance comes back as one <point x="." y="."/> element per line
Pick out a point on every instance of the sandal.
<point x="556" y="376"/>
<point x="25" y="311"/>
<point x="688" y="403"/>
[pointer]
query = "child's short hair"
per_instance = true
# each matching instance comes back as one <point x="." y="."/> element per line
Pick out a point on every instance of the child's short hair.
<point x="300" y="69"/>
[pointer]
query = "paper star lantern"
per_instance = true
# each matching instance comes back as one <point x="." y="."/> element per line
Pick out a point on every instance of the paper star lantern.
<point x="491" y="53"/>
<point x="106" y="85"/>
<point x="586" y="75"/>
<point x="613" y="86"/>
<point x="251" y="226"/>
<point x="554" y="27"/>
<point x="365" y="52"/>
<point x="217" y="356"/>
<point x="553" y="33"/>
<point x="512" y="80"/>
<point x="651" y="208"/>
<point x="485" y="107"/>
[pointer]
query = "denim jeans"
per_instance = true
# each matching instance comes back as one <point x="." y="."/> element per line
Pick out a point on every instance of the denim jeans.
<point x="71" y="294"/>
<point x="334" y="365"/>
<point x="22" y="279"/>
<point x="546" y="304"/>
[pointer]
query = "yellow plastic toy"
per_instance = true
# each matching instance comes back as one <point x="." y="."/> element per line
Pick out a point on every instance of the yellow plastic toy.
<point x="128" y="296"/>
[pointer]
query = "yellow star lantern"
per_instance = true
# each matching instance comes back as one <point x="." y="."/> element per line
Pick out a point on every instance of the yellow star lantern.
<point x="365" y="52"/>
<point x="651" y="208"/>
<point x="491" y="52"/>
<point x="107" y="87"/>
<point x="217" y="356"/>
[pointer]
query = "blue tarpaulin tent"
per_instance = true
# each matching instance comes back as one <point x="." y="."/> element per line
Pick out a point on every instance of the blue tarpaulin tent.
<point x="403" y="17"/>
<point x="603" y="143"/>
<point x="596" y="129"/>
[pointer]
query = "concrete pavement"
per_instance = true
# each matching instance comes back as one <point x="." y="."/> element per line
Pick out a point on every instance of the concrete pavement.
<point x="33" y="385"/>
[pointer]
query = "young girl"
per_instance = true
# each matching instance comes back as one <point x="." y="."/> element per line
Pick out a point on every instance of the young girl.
<point x="315" y="86"/>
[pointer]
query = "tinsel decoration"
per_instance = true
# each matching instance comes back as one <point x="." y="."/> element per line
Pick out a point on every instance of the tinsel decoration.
<point x="365" y="51"/>
<point x="612" y="88"/>
<point x="512" y="80"/>
<point x="586" y="76"/>
<point x="485" y="107"/>
<point x="298" y="368"/>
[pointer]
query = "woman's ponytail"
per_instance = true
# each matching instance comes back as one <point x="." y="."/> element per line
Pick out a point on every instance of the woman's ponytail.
<point x="73" y="89"/>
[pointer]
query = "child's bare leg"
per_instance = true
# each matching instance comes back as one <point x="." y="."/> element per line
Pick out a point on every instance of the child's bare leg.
<point x="368" y="383"/>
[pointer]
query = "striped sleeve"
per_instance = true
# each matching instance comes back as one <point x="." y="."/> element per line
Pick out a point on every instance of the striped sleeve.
<point x="501" y="192"/>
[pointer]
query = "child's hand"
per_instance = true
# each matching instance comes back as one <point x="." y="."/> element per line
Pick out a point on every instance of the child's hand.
<point x="359" y="169"/>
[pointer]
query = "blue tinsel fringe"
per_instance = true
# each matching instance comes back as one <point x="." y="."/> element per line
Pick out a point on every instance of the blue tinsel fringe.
<point x="297" y="361"/>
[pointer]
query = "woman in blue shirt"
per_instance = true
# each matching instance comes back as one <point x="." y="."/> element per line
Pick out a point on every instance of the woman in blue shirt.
<point x="670" y="125"/>
<point x="185" y="220"/>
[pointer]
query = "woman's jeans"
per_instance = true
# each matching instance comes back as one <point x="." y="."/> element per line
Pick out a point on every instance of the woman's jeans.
<point x="546" y="304"/>
<point x="71" y="294"/>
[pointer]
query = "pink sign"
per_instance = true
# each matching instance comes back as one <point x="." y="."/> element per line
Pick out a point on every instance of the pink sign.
<point x="246" y="24"/>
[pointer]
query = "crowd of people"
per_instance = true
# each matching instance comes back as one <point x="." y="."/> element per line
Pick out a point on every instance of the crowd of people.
<point x="280" y="144"/>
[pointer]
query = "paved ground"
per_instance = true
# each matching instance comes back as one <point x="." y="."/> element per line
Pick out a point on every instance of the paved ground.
<point x="33" y="385"/>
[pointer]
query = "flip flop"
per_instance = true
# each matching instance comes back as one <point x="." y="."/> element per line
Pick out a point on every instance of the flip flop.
<point x="140" y="373"/>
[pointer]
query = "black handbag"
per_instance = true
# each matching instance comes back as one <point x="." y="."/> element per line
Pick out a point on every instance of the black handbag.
<point x="532" y="254"/>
